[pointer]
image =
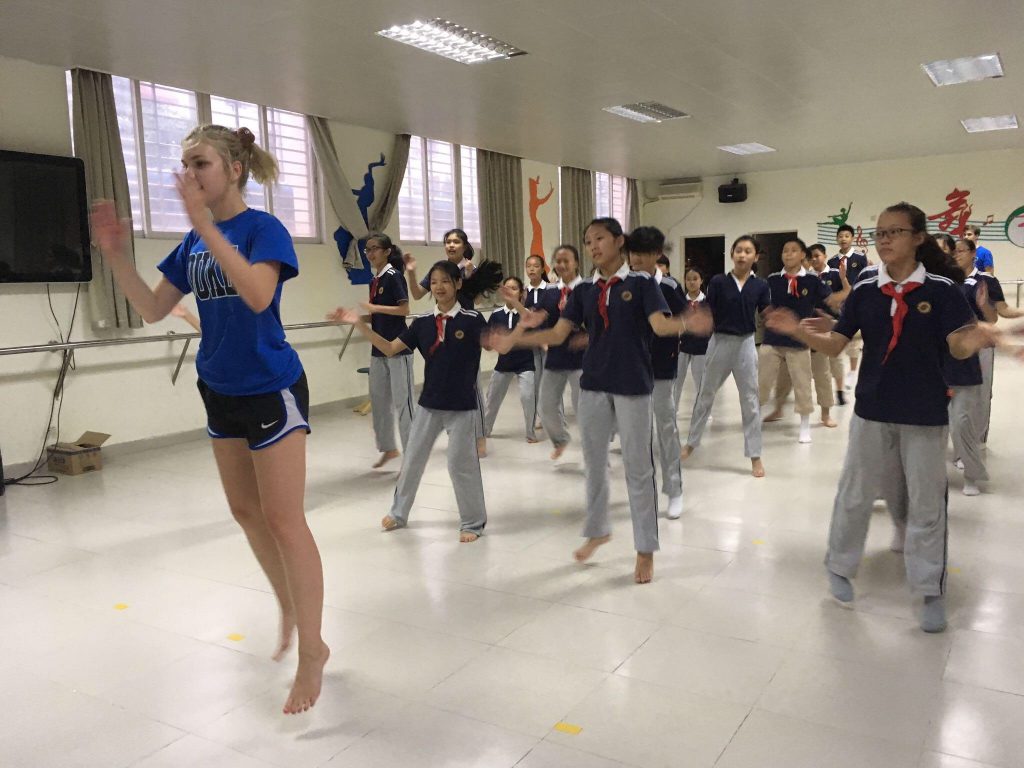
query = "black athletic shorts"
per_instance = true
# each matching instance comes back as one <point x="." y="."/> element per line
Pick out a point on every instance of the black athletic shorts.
<point x="262" y="420"/>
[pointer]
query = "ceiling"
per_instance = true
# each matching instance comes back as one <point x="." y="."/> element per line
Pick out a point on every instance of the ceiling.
<point x="822" y="81"/>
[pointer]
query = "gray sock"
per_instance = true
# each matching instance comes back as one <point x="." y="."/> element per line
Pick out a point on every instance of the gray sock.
<point x="933" y="617"/>
<point x="841" y="588"/>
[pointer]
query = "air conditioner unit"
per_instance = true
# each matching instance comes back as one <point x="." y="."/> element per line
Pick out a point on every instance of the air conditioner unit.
<point x="680" y="189"/>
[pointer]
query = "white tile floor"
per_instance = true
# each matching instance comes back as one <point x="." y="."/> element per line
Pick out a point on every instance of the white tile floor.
<point x="136" y="624"/>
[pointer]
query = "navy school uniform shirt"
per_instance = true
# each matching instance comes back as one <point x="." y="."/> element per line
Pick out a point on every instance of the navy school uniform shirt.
<point x="995" y="290"/>
<point x="910" y="387"/>
<point x="617" y="360"/>
<point x="534" y="296"/>
<point x="830" y="277"/>
<point x="449" y="377"/>
<point x="855" y="262"/>
<point x="811" y="294"/>
<point x="388" y="288"/>
<point x="665" y="349"/>
<point x="965" y="373"/>
<point x="518" y="360"/>
<point x="462" y="297"/>
<point x="732" y="310"/>
<point x="240" y="352"/>
<point x="562" y="357"/>
<point x="688" y="343"/>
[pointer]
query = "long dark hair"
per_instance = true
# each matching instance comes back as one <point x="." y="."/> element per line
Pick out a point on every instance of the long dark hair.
<point x="942" y="237"/>
<point x="468" y="253"/>
<point x="395" y="257"/>
<point x="485" y="280"/>
<point x="934" y="259"/>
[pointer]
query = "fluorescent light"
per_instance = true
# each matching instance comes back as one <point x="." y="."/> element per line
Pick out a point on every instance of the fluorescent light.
<point x="994" y="123"/>
<point x="451" y="40"/>
<point x="969" y="69"/>
<point x="646" y="112"/>
<point x="752" y="148"/>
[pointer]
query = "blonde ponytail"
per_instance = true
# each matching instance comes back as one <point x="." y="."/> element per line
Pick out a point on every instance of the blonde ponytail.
<point x="236" y="146"/>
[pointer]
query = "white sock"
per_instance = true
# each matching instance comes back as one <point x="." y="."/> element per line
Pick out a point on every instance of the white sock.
<point x="805" y="428"/>
<point x="675" y="507"/>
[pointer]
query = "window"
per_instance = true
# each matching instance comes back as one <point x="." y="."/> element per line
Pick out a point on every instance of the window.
<point x="153" y="119"/>
<point x="439" y="192"/>
<point x="610" y="196"/>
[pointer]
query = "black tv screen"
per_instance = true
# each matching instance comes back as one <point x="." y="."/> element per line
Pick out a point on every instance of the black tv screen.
<point x="44" y="221"/>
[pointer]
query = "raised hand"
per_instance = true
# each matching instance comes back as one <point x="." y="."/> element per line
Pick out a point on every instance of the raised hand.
<point x="823" y="323"/>
<point x="842" y="270"/>
<point x="108" y="232"/>
<point x="781" y="320"/>
<point x="699" y="322"/>
<point x="368" y="307"/>
<point x="579" y="341"/>
<point x="410" y="262"/>
<point x="343" y="316"/>
<point x="499" y="340"/>
<point x="981" y="294"/>
<point x="533" y="319"/>
<point x="510" y="294"/>
<point x="192" y="198"/>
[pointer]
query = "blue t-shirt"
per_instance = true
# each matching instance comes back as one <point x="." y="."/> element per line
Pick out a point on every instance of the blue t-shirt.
<point x="449" y="377"/>
<point x="518" y="360"/>
<point x="811" y="294"/>
<point x="733" y="311"/>
<point x="562" y="357"/>
<point x="390" y="290"/>
<point x="688" y="343"/>
<point x="665" y="349"/>
<point x="855" y="262"/>
<point x="241" y="352"/>
<point x="983" y="258"/>
<point x="617" y="360"/>
<point x="910" y="388"/>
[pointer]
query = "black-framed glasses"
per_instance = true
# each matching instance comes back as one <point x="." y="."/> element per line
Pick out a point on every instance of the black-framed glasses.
<point x="889" y="234"/>
<point x="369" y="248"/>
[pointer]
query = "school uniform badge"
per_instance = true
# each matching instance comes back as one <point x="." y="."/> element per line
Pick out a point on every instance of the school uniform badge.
<point x="460" y="335"/>
<point x="627" y="296"/>
<point x="803" y="292"/>
<point x="924" y="307"/>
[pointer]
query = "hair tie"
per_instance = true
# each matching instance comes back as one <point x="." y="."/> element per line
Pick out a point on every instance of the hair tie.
<point x="246" y="137"/>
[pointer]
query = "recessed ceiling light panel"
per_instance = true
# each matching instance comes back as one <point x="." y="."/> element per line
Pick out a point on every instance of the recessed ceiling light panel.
<point x="994" y="123"/>
<point x="646" y="112"/>
<point x="968" y="69"/>
<point x="751" y="148"/>
<point x="451" y="40"/>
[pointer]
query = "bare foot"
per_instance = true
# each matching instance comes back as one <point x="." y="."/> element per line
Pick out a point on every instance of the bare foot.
<point x="686" y="453"/>
<point x="828" y="421"/>
<point x="385" y="458"/>
<point x="481" y="447"/>
<point x="644" y="567"/>
<point x="559" y="450"/>
<point x="532" y="440"/>
<point x="308" y="679"/>
<point x="388" y="523"/>
<point x="285" y="641"/>
<point x="773" y="416"/>
<point x="585" y="552"/>
<point x="757" y="467"/>
<point x="467" y="537"/>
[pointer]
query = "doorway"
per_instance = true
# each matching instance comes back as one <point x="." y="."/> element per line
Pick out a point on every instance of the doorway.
<point x="706" y="254"/>
<point x="770" y="258"/>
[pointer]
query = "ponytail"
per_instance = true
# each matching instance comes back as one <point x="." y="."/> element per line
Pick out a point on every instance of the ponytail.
<point x="236" y="146"/>
<point x="395" y="257"/>
<point x="485" y="280"/>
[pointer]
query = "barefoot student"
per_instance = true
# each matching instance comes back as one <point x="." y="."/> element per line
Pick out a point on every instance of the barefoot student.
<point x="391" y="385"/>
<point x="516" y="365"/>
<point x="692" y="349"/>
<point x="733" y="299"/>
<point x="537" y="285"/>
<point x="252" y="383"/>
<point x="911" y="314"/>
<point x="645" y="246"/>
<point x="450" y="339"/>
<point x="619" y="310"/>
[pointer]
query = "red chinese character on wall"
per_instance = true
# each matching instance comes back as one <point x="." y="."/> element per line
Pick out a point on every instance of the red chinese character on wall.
<point x="958" y="213"/>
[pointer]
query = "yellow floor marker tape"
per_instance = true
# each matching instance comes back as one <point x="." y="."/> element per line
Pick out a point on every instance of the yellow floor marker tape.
<point x="121" y="606"/>
<point x="568" y="728"/>
<point x="954" y="569"/>
<point x="758" y="542"/>
<point x="236" y="637"/>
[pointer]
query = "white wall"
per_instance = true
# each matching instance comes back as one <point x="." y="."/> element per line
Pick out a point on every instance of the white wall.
<point x="799" y="199"/>
<point x="127" y="391"/>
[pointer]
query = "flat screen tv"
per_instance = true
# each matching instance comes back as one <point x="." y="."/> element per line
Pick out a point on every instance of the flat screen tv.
<point x="44" y="220"/>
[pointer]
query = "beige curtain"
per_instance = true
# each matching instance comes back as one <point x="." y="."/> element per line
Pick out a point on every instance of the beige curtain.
<point x="632" y="205"/>
<point x="578" y="209"/>
<point x="500" y="180"/>
<point x="339" y="191"/>
<point x="387" y="196"/>
<point x="98" y="144"/>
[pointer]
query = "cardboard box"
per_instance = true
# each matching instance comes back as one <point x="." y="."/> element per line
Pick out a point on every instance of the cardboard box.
<point x="83" y="455"/>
